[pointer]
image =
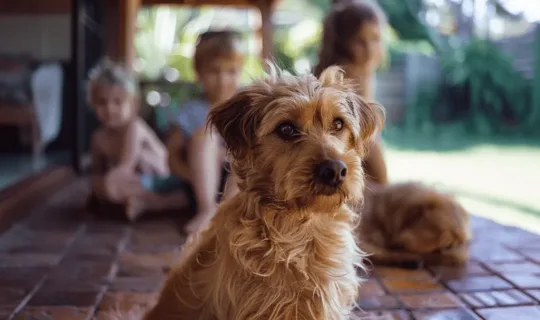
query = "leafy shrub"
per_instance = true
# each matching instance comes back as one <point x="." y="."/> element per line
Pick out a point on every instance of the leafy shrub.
<point x="478" y="86"/>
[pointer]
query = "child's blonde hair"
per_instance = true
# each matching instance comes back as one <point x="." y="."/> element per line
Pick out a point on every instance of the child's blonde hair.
<point x="341" y="26"/>
<point x="109" y="73"/>
<point x="222" y="44"/>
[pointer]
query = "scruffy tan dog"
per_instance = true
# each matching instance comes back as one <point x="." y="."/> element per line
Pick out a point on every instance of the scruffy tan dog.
<point x="284" y="247"/>
<point x="409" y="223"/>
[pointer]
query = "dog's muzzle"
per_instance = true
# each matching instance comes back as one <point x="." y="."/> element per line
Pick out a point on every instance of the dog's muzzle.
<point x="330" y="174"/>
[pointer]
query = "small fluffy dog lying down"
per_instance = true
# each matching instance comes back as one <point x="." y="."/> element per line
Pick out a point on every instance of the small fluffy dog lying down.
<point x="284" y="247"/>
<point x="409" y="223"/>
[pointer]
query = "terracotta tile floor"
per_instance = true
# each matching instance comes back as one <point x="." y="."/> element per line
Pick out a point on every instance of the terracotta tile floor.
<point x="61" y="263"/>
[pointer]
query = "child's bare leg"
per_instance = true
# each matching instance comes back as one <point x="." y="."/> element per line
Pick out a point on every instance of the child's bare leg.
<point x="119" y="185"/>
<point x="203" y="154"/>
<point x="150" y="201"/>
<point x="375" y="165"/>
<point x="231" y="187"/>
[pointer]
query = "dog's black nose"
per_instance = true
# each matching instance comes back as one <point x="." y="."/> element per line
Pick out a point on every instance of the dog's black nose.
<point x="331" y="172"/>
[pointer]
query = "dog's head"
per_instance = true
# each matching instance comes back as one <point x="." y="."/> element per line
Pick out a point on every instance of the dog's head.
<point x="428" y="221"/>
<point x="299" y="141"/>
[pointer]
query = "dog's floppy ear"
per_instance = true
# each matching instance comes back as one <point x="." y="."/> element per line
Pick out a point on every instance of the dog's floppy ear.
<point x="371" y="115"/>
<point x="332" y="75"/>
<point x="236" y="122"/>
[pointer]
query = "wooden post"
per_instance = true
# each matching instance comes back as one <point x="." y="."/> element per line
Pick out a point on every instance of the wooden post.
<point x="121" y="23"/>
<point x="111" y="28"/>
<point x="266" y="31"/>
<point x="77" y="77"/>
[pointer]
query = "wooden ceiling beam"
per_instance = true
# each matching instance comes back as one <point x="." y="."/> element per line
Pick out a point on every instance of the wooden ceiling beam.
<point x="34" y="7"/>
<point x="236" y="3"/>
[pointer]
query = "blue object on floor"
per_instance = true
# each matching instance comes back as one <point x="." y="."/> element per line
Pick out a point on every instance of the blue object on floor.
<point x="159" y="184"/>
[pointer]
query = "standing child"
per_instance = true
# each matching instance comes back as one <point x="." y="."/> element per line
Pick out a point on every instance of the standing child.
<point x="129" y="162"/>
<point x="197" y="154"/>
<point x="352" y="39"/>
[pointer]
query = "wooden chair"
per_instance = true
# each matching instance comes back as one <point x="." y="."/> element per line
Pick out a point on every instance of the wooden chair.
<point x="16" y="108"/>
<point x="24" y="117"/>
<point x="30" y="99"/>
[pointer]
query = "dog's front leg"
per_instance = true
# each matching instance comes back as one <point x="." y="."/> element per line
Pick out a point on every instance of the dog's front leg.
<point x="278" y="306"/>
<point x="178" y="300"/>
<point x="185" y="294"/>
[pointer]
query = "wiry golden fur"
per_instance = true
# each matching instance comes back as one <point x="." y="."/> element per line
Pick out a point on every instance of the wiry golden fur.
<point x="412" y="223"/>
<point x="284" y="247"/>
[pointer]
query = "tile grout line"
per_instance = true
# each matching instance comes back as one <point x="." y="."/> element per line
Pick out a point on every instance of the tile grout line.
<point x="465" y="305"/>
<point x="114" y="271"/>
<point x="525" y="257"/>
<point x="28" y="297"/>
<point x="486" y="265"/>
<point x="40" y="283"/>
<point x="514" y="286"/>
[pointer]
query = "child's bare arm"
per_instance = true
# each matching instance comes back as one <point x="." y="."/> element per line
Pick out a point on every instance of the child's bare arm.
<point x="155" y="143"/>
<point x="131" y="147"/>
<point x="175" y="145"/>
<point x="375" y="165"/>
<point x="154" y="151"/>
<point x="110" y="185"/>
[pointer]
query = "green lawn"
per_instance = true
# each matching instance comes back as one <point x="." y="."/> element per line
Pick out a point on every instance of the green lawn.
<point x="495" y="179"/>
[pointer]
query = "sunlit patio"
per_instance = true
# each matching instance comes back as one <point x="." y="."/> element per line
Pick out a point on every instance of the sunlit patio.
<point x="62" y="262"/>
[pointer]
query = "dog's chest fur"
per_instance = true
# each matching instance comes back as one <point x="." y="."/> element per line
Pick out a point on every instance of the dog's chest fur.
<point x="292" y="266"/>
<point x="255" y="263"/>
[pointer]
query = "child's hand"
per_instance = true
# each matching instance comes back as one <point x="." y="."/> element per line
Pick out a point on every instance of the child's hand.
<point x="121" y="183"/>
<point x="163" y="170"/>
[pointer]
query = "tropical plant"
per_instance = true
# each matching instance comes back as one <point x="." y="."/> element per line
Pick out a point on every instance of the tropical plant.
<point x="297" y="43"/>
<point x="478" y="85"/>
<point x="404" y="18"/>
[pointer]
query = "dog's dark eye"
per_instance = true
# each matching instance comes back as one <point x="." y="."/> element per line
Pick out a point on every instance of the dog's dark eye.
<point x="337" y="125"/>
<point x="287" y="131"/>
